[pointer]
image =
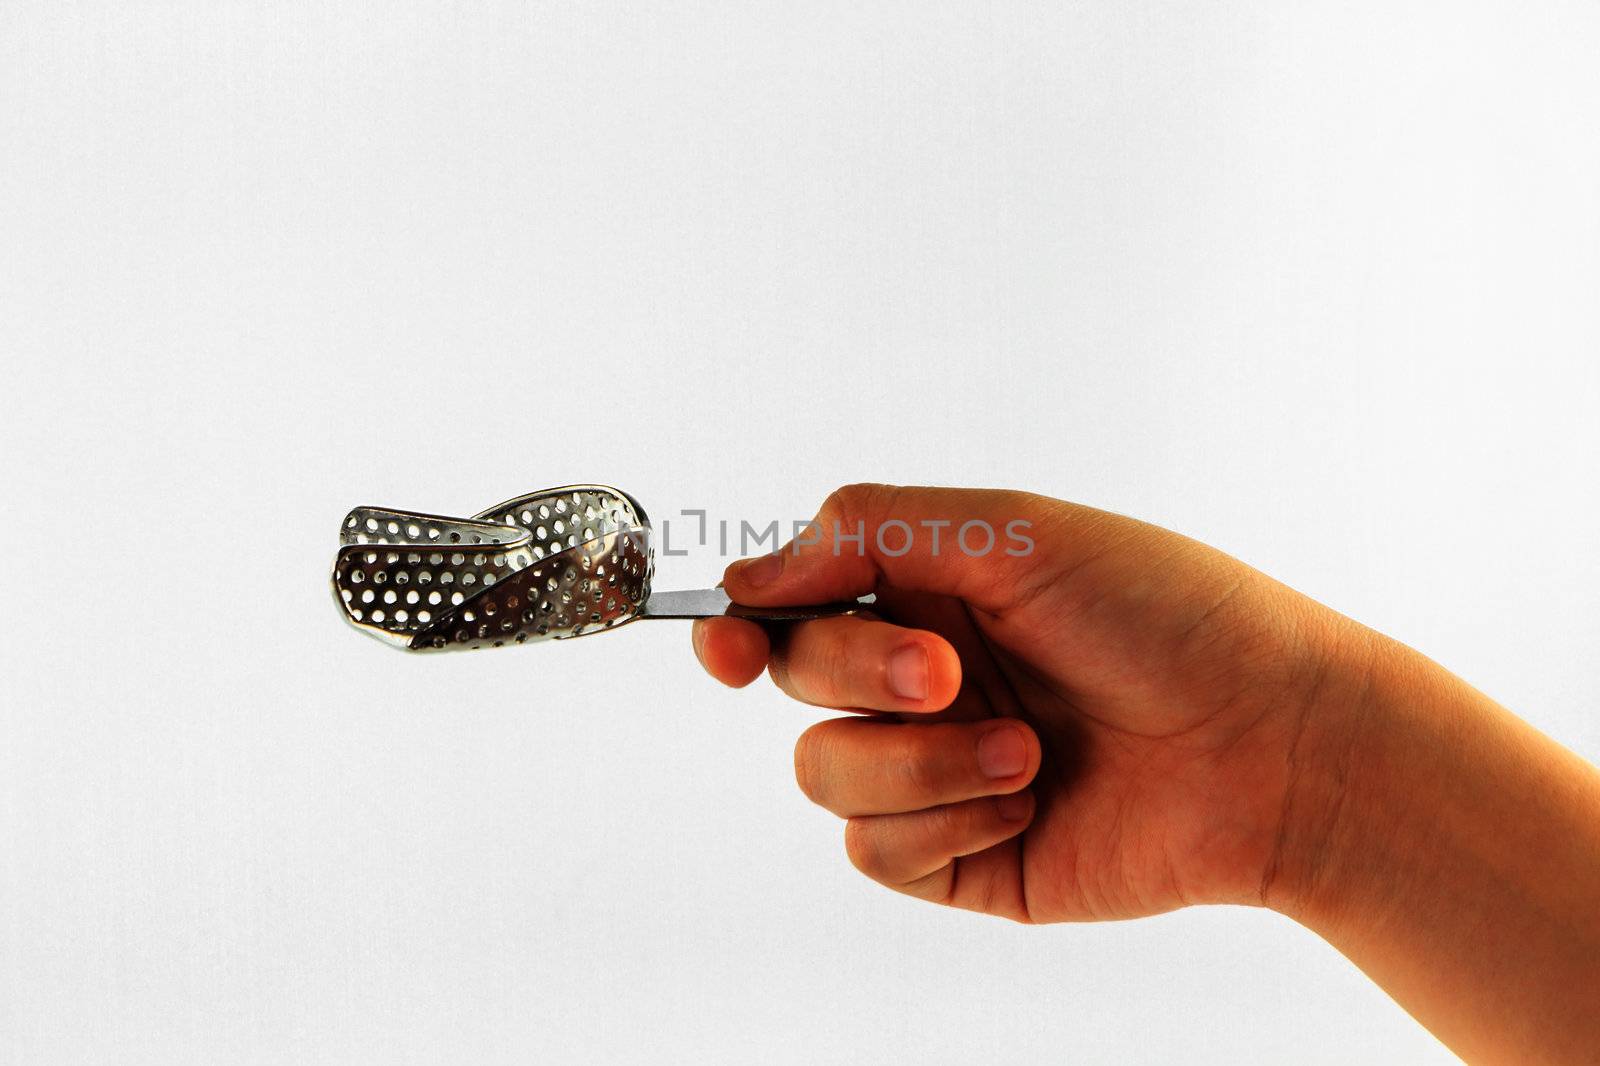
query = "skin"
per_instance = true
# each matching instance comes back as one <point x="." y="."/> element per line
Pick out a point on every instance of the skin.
<point x="1122" y="721"/>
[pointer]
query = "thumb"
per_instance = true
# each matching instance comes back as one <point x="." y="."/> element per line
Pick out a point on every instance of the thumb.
<point x="980" y="545"/>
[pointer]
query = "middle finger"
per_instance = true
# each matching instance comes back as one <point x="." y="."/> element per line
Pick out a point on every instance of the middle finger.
<point x="866" y="664"/>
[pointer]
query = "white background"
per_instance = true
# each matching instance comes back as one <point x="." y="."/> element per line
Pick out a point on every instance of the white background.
<point x="1315" y="285"/>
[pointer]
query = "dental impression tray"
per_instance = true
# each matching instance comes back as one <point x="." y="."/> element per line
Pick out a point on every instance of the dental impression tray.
<point x="551" y="564"/>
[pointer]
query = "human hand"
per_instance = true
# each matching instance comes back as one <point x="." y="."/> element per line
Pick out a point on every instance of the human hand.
<point x="1122" y="721"/>
<point x="1103" y="727"/>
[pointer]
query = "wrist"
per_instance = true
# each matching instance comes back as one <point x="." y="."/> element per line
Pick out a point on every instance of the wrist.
<point x="1449" y="850"/>
<point x="1331" y="777"/>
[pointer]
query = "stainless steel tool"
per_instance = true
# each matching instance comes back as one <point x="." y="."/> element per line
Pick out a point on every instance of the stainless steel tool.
<point x="552" y="564"/>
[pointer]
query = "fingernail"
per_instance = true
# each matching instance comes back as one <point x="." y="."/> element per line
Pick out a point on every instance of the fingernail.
<point x="1014" y="808"/>
<point x="908" y="672"/>
<point x="762" y="571"/>
<point x="697" y="635"/>
<point x="1002" y="752"/>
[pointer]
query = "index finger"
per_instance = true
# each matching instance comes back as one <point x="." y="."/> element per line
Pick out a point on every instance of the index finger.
<point x="974" y="544"/>
<point x="732" y="650"/>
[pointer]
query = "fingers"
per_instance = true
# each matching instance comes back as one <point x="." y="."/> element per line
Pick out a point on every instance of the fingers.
<point x="975" y="544"/>
<point x="916" y="852"/>
<point x="923" y="797"/>
<point x="866" y="664"/>
<point x="732" y="650"/>
<point x="857" y="767"/>
<point x="847" y="662"/>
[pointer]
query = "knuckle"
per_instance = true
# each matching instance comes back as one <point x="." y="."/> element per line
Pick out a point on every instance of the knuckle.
<point x="856" y="500"/>
<point x="778" y="670"/>
<point x="814" y="667"/>
<point x="949" y="823"/>
<point x="810" y="763"/>
<point x="989" y="891"/>
<point x="864" y="848"/>
<point x="828" y="667"/>
<point x="924" y="778"/>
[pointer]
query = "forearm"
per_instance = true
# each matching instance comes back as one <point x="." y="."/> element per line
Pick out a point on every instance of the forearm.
<point x="1453" y="853"/>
